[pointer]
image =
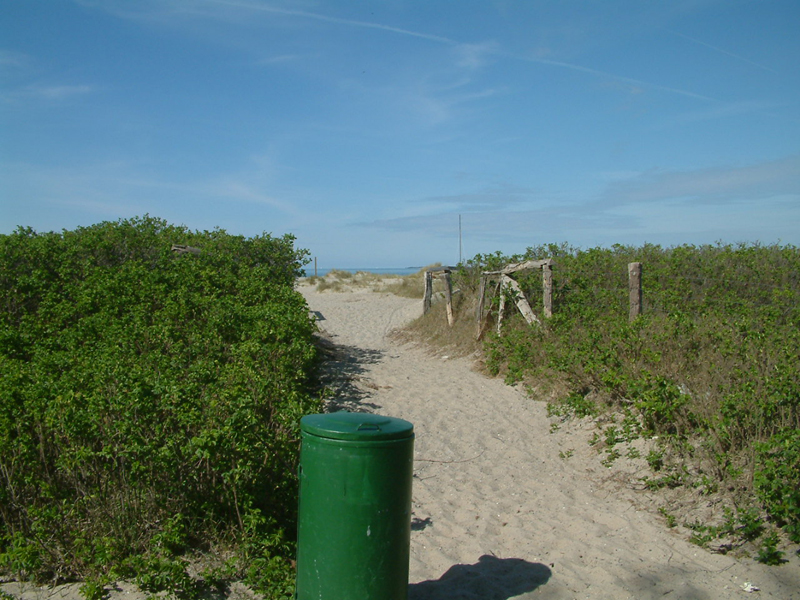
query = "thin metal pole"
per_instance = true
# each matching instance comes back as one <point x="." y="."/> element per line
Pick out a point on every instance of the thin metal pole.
<point x="459" y="239"/>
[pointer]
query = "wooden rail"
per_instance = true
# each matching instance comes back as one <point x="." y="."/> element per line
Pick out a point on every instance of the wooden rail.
<point x="183" y="249"/>
<point x="507" y="285"/>
<point x="508" y="288"/>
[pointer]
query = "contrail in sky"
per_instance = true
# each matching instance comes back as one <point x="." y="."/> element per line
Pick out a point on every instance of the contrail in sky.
<point x="717" y="49"/>
<point x="338" y="20"/>
<point x="597" y="73"/>
<point x="451" y="42"/>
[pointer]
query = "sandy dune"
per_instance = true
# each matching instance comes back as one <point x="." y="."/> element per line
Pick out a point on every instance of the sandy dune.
<point x="497" y="513"/>
<point x="502" y="507"/>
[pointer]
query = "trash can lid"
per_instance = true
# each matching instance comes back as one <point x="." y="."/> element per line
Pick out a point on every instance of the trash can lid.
<point x="356" y="426"/>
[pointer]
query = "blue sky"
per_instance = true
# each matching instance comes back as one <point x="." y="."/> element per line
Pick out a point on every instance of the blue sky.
<point x="366" y="128"/>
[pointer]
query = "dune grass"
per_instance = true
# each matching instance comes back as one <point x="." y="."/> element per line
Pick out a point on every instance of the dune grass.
<point x="710" y="372"/>
<point x="408" y="286"/>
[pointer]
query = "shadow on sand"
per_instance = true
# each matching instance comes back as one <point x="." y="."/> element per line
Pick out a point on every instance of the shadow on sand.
<point x="343" y="375"/>
<point x="491" y="578"/>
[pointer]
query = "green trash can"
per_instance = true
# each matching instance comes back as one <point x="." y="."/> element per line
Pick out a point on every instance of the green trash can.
<point x="354" y="521"/>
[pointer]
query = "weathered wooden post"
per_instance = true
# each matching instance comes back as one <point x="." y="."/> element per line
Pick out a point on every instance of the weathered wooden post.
<point x="481" y="302"/>
<point x="520" y="300"/>
<point x="635" y="289"/>
<point x="448" y="295"/>
<point x="426" y="300"/>
<point x="501" y="309"/>
<point x="547" y="291"/>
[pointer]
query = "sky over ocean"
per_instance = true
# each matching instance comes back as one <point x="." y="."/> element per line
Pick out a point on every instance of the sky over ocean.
<point x="369" y="129"/>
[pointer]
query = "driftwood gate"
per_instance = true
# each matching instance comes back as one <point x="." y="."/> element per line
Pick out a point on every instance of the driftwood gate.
<point x="503" y="280"/>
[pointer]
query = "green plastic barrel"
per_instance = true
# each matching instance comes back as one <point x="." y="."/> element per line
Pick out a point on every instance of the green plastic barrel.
<point x="354" y="521"/>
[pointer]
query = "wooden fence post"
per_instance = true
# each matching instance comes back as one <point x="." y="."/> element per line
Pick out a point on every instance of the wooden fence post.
<point x="547" y="291"/>
<point x="426" y="300"/>
<point x="501" y="309"/>
<point x="635" y="289"/>
<point x="481" y="303"/>
<point x="521" y="301"/>
<point x="448" y="295"/>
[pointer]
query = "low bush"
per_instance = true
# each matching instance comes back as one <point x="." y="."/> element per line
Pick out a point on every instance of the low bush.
<point x="149" y="402"/>
<point x="711" y="367"/>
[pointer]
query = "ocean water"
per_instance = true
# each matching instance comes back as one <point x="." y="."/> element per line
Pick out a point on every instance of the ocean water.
<point x="377" y="270"/>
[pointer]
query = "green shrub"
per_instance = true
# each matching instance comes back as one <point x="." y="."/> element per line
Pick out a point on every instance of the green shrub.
<point x="711" y="367"/>
<point x="769" y="553"/>
<point x="777" y="479"/>
<point x="148" y="401"/>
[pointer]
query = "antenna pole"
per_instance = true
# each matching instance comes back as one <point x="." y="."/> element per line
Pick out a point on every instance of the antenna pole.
<point x="459" y="239"/>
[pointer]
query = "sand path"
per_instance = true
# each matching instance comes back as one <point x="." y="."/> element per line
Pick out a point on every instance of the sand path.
<point x="497" y="513"/>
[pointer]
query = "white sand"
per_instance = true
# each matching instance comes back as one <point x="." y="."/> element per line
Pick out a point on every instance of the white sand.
<point x="497" y="513"/>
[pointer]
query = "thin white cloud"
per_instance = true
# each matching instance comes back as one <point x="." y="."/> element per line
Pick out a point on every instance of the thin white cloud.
<point x="502" y="227"/>
<point x="425" y="99"/>
<point x="635" y="85"/>
<point x="329" y="19"/>
<point x="58" y="92"/>
<point x="470" y="55"/>
<point x="773" y="220"/>
<point x="613" y="176"/>
<point x="754" y="202"/>
<point x="119" y="187"/>
<point x="239" y="187"/>
<point x="720" y="111"/>
<point x="245" y="192"/>
<point x="280" y="59"/>
<point x="13" y="59"/>
<point x="437" y="106"/>
<point x="97" y="189"/>
<point x="712" y="185"/>
<point x="497" y="197"/>
<point x="722" y="51"/>
<point x="52" y="93"/>
<point x="474" y="56"/>
<point x="105" y="207"/>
